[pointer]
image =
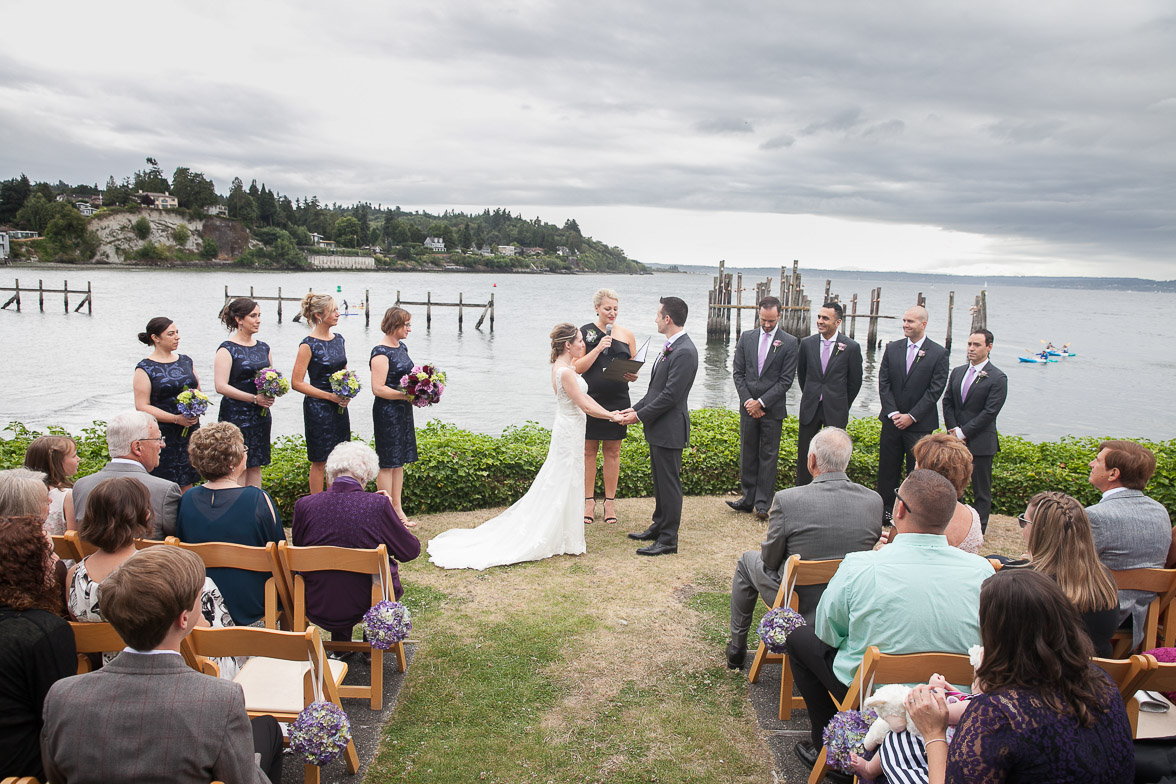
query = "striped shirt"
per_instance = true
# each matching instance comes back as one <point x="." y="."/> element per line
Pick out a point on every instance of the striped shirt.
<point x="904" y="760"/>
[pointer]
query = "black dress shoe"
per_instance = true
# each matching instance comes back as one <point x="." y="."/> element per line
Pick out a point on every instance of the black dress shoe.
<point x="648" y="535"/>
<point x="808" y="755"/>
<point x="657" y="549"/>
<point x="736" y="655"/>
<point x="761" y="515"/>
<point x="739" y="506"/>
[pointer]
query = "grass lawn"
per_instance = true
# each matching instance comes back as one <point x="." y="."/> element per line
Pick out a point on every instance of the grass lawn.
<point x="602" y="667"/>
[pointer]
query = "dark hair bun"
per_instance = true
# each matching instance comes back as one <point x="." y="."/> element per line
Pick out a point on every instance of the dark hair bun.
<point x="144" y="338"/>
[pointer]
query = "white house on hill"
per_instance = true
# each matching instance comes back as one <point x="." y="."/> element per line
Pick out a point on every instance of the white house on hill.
<point x="435" y="244"/>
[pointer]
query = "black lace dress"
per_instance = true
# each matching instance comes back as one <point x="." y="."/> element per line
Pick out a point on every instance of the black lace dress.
<point x="255" y="428"/>
<point x="395" y="432"/>
<point x="169" y="379"/>
<point x="611" y="395"/>
<point x="325" y="426"/>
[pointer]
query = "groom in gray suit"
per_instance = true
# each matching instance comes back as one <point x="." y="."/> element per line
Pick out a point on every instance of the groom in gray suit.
<point x="825" y="519"/>
<point x="764" y="364"/>
<point x="134" y="444"/>
<point x="665" y="418"/>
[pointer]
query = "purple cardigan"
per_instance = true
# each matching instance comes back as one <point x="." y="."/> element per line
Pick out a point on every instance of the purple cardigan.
<point x="347" y="516"/>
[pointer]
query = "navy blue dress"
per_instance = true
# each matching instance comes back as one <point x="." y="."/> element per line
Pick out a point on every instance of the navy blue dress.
<point x="169" y="379"/>
<point x="255" y="428"/>
<point x="325" y="426"/>
<point x="395" y="432"/>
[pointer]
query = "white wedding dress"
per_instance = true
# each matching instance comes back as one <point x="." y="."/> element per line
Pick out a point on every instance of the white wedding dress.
<point x="547" y="521"/>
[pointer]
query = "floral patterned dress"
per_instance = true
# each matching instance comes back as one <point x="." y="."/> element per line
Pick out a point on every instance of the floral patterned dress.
<point x="325" y="426"/>
<point x="169" y="379"/>
<point x="255" y="428"/>
<point x="395" y="433"/>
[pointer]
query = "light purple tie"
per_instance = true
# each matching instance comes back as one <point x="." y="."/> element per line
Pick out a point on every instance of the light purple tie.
<point x="826" y="345"/>
<point x="763" y="349"/>
<point x="967" y="383"/>
<point x="911" y="356"/>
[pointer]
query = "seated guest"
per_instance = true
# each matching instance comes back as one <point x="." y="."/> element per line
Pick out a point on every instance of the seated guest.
<point x="57" y="458"/>
<point x="916" y="594"/>
<point x="221" y="510"/>
<point x="118" y="512"/>
<point x="134" y="444"/>
<point x="823" y="520"/>
<point x="947" y="456"/>
<point x="23" y="492"/>
<point x="147" y="716"/>
<point x="36" y="644"/>
<point x="1057" y="535"/>
<point x="348" y="516"/>
<point x="1045" y="713"/>
<point x="1131" y="531"/>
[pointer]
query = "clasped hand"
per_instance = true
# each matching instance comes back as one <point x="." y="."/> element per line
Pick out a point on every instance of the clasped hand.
<point x="754" y="408"/>
<point x="902" y="421"/>
<point x="626" y="417"/>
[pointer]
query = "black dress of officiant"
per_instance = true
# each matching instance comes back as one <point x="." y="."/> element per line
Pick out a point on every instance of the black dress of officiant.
<point x="611" y="395"/>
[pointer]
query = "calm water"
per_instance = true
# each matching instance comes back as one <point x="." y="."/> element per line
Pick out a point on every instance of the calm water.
<point x="71" y="370"/>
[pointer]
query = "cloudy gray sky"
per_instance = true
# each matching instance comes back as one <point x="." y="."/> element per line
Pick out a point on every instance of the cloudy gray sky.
<point x="992" y="138"/>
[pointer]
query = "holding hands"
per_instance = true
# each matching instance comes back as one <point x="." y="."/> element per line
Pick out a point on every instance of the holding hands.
<point x="626" y="417"/>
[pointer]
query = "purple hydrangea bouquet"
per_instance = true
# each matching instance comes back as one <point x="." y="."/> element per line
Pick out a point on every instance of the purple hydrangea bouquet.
<point x="320" y="733"/>
<point x="776" y="625"/>
<point x="424" y="385"/>
<point x="386" y="624"/>
<point x="191" y="403"/>
<point x="270" y="382"/>
<point x="844" y="734"/>
<point x="344" y="383"/>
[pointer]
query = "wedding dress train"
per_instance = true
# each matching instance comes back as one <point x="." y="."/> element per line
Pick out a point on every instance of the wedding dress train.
<point x="547" y="521"/>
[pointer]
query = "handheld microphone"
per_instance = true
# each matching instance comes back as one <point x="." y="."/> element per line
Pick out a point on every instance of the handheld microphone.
<point x="608" y="330"/>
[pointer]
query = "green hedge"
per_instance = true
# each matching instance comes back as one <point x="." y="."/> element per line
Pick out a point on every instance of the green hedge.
<point x="459" y="470"/>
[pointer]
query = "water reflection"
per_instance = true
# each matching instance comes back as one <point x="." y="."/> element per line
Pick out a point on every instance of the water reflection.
<point x="717" y="385"/>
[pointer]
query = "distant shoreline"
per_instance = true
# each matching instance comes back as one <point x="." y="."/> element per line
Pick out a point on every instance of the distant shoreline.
<point x="196" y="265"/>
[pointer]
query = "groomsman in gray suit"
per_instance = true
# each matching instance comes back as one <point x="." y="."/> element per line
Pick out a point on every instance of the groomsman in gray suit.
<point x="1131" y="531"/>
<point x="830" y="376"/>
<point x="665" y="418"/>
<point x="825" y="519"/>
<point x="763" y="368"/>
<point x="134" y="443"/>
<point x="975" y="394"/>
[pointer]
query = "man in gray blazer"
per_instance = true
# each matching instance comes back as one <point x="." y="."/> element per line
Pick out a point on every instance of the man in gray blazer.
<point x="665" y="418"/>
<point x="134" y="443"/>
<point x="1131" y="531"/>
<point x="764" y="364"/>
<point x="825" y="519"/>
<point x="147" y="716"/>
<point x="830" y="374"/>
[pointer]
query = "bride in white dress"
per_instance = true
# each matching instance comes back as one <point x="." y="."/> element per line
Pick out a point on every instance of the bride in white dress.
<point x="547" y="520"/>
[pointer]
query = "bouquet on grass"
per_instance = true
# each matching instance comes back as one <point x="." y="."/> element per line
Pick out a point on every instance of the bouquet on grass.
<point x="344" y="383"/>
<point x="270" y="382"/>
<point x="191" y="403"/>
<point x="424" y="385"/>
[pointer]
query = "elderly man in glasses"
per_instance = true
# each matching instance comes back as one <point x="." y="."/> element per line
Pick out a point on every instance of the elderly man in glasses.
<point x="134" y="443"/>
<point x="916" y="594"/>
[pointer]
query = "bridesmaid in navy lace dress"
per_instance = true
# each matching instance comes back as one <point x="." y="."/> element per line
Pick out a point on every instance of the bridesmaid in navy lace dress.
<point x="320" y="354"/>
<point x="392" y="411"/>
<point x="237" y="360"/>
<point x="158" y="379"/>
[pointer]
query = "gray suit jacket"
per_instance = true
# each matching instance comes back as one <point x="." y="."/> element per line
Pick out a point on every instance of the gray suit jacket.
<point x="165" y="495"/>
<point x="822" y="520"/>
<point x="147" y="718"/>
<point x="771" y="387"/>
<point x="838" y="385"/>
<point x="976" y="416"/>
<point x="663" y="411"/>
<point x="1131" y="531"/>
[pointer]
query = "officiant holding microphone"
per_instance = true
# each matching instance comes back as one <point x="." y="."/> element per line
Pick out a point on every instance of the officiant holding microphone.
<point x="604" y="341"/>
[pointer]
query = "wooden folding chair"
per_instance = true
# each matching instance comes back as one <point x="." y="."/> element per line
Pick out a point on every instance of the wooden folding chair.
<point x="21" y="780"/>
<point x="1127" y="674"/>
<point x="65" y="550"/>
<point x="344" y="559"/>
<point x="883" y="668"/>
<point x="796" y="573"/>
<point x="1161" y="582"/>
<point x="94" y="638"/>
<point x="82" y="548"/>
<point x="1160" y="677"/>
<point x="279" y="606"/>
<point x="279" y="680"/>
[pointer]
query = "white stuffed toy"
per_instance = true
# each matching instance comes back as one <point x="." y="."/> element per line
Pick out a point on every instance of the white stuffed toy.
<point x="889" y="702"/>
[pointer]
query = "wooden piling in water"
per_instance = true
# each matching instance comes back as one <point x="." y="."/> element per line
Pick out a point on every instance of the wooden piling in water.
<point x="739" y="304"/>
<point x="950" y="308"/>
<point x="65" y="286"/>
<point x="367" y="307"/>
<point x="853" y="318"/>
<point x="65" y="291"/>
<point x="875" y="307"/>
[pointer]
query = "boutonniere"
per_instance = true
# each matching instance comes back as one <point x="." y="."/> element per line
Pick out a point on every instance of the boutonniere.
<point x="840" y="348"/>
<point x="592" y="334"/>
<point x="920" y="355"/>
<point x="983" y="374"/>
<point x="666" y="349"/>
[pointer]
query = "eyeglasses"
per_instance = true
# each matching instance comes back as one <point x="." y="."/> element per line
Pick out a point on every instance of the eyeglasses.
<point x="161" y="440"/>
<point x="904" y="503"/>
<point x="1023" y="520"/>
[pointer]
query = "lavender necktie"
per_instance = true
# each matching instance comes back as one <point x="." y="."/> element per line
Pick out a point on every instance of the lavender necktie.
<point x="763" y="349"/>
<point x="826" y="345"/>
<point x="967" y="383"/>
<point x="911" y="356"/>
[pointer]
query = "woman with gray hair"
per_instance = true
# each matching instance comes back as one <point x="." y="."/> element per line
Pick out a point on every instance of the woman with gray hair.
<point x="23" y="492"/>
<point x="346" y="515"/>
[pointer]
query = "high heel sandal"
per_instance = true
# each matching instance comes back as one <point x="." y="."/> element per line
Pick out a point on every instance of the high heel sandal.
<point x="589" y="519"/>
<point x="610" y="520"/>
